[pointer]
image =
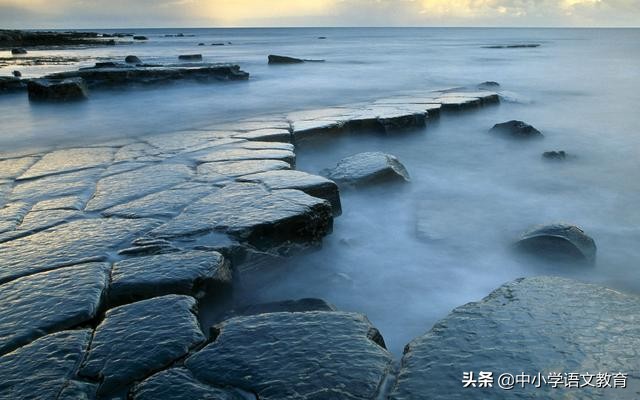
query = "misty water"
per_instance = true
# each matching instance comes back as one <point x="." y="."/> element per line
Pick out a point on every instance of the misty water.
<point x="406" y="255"/>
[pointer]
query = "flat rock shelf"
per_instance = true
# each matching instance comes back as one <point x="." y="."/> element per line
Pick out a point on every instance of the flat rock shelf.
<point x="107" y="251"/>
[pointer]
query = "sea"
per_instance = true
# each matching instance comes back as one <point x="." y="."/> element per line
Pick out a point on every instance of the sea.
<point x="404" y="255"/>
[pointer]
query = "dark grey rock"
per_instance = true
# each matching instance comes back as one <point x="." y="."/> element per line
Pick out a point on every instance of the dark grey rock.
<point x="368" y="168"/>
<point x="190" y="57"/>
<point x="193" y="273"/>
<point x="275" y="59"/>
<point x="139" y="37"/>
<point x="312" y="185"/>
<point x="558" y="242"/>
<point x="38" y="304"/>
<point x="70" y="89"/>
<point x="254" y="215"/>
<point x="516" y="130"/>
<point x="560" y="155"/>
<point x="72" y="243"/>
<point x="180" y="384"/>
<point x="43" y="369"/>
<point x="311" y="355"/>
<point x="79" y="390"/>
<point x="541" y="324"/>
<point x="13" y="167"/>
<point x="17" y="74"/>
<point x="131" y="59"/>
<point x="138" y="339"/>
<point x="11" y="84"/>
<point x="302" y="305"/>
<point x="18" y="50"/>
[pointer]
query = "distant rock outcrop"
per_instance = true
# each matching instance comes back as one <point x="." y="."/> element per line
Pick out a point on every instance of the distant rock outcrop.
<point x="275" y="59"/>
<point x="516" y="130"/>
<point x="18" y="38"/>
<point x="70" y="89"/>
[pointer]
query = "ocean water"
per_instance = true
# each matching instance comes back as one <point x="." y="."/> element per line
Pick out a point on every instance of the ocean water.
<point x="406" y="255"/>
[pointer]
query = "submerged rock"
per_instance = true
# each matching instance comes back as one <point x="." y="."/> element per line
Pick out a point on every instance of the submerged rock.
<point x="194" y="273"/>
<point x="275" y="59"/>
<point x="190" y="57"/>
<point x="140" y="338"/>
<point x="516" y="130"/>
<point x="180" y="384"/>
<point x="131" y="59"/>
<point x="558" y="242"/>
<point x="560" y="155"/>
<point x="38" y="304"/>
<point x="311" y="355"/>
<point x="368" y="169"/>
<point x="138" y="37"/>
<point x="546" y="325"/>
<point x="11" y="83"/>
<point x="69" y="89"/>
<point x="513" y="46"/>
<point x="44" y="368"/>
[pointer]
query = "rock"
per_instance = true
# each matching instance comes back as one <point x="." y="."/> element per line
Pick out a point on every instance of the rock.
<point x="194" y="273"/>
<point x="266" y="135"/>
<point x="302" y="305"/>
<point x="200" y="44"/>
<point x="69" y="160"/>
<point x="43" y="303"/>
<point x="190" y="57"/>
<point x="138" y="339"/>
<point x="72" y="243"/>
<point x="558" y="242"/>
<point x="107" y="64"/>
<point x="138" y="37"/>
<point x="560" y="155"/>
<point x="542" y="324"/>
<point x="312" y="355"/>
<point x="513" y="46"/>
<point x="275" y="59"/>
<point x="254" y="215"/>
<point x="75" y="203"/>
<point x="44" y="368"/>
<point x="368" y="169"/>
<point x="11" y="84"/>
<point x="119" y="189"/>
<point x="489" y="85"/>
<point x="15" y="38"/>
<point x="516" y="130"/>
<point x="180" y="384"/>
<point x="312" y="185"/>
<point x="227" y="170"/>
<point x="57" y="89"/>
<point x="132" y="60"/>
<point x="18" y="50"/>
<point x="36" y="221"/>
<point x="17" y="74"/>
<point x="218" y="44"/>
<point x="322" y="37"/>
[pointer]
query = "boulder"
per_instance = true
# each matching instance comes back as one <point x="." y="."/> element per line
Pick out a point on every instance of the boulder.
<point x="44" y="368"/>
<point x="218" y="44"/>
<point x="193" y="273"/>
<point x="138" y="339"/>
<point x="302" y="305"/>
<point x="368" y="169"/>
<point x="190" y="57"/>
<point x="180" y="384"/>
<point x="17" y="38"/>
<point x="516" y="130"/>
<point x="200" y="44"/>
<point x="310" y="355"/>
<point x="489" y="85"/>
<point x="107" y="64"/>
<point x="559" y="155"/>
<point x="18" y="51"/>
<point x="17" y="74"/>
<point x="561" y="242"/>
<point x="71" y="89"/>
<point x="11" y="84"/>
<point x="42" y="303"/>
<point x="138" y="37"/>
<point x="131" y="59"/>
<point x="547" y="325"/>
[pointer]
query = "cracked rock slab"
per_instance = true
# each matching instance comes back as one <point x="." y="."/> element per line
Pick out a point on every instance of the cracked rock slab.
<point x="48" y="187"/>
<point x="180" y="384"/>
<point x="191" y="273"/>
<point x="542" y="324"/>
<point x="69" y="160"/>
<point x="367" y="169"/>
<point x="227" y="170"/>
<point x="312" y="185"/>
<point x="13" y="167"/>
<point x="135" y="340"/>
<point x="121" y="188"/>
<point x="254" y="214"/>
<point x="68" y="244"/>
<point x="43" y="369"/>
<point x="266" y="135"/>
<point x="312" y="355"/>
<point x="42" y="303"/>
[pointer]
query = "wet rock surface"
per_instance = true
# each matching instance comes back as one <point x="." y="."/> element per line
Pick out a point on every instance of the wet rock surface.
<point x="516" y="130"/>
<point x="138" y="339"/>
<point x="44" y="368"/>
<point x="543" y="324"/>
<point x="559" y="155"/>
<point x="50" y="301"/>
<point x="302" y="305"/>
<point x="367" y="169"/>
<point x="562" y="242"/>
<point x="194" y="273"/>
<point x="180" y="384"/>
<point x="67" y="89"/>
<point x="309" y="355"/>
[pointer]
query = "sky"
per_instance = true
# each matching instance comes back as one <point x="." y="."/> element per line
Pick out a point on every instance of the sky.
<point x="278" y="13"/>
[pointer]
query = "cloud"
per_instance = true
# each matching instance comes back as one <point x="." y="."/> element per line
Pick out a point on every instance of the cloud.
<point x="150" y="13"/>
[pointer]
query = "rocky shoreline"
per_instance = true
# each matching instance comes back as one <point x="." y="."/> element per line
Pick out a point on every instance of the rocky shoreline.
<point x="21" y="38"/>
<point x="107" y="251"/>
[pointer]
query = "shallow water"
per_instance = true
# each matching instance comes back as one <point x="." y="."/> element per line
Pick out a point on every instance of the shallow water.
<point x="471" y="192"/>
